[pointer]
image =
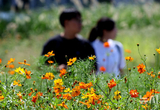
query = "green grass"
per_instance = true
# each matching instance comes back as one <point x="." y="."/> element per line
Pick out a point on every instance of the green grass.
<point x="30" y="49"/>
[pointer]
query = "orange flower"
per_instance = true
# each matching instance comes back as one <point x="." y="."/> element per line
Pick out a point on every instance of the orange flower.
<point x="62" y="72"/>
<point x="159" y="74"/>
<point x="151" y="74"/>
<point x="82" y="85"/>
<point x="1" y="97"/>
<point x="63" y="105"/>
<point x="92" y="97"/>
<point x="39" y="94"/>
<point x="133" y="93"/>
<point x="58" y="96"/>
<point x="141" y="68"/>
<point x="106" y="44"/>
<point x="10" y="61"/>
<point x="88" y="105"/>
<point x="0" y="60"/>
<point x="102" y="69"/>
<point x="112" y="84"/>
<point x="28" y="74"/>
<point x="128" y="51"/>
<point x="92" y="57"/>
<point x="49" y="61"/>
<point x="20" y="95"/>
<point x="11" y="66"/>
<point x="16" y="83"/>
<point x="76" y="91"/>
<point x="11" y="72"/>
<point x="30" y="93"/>
<point x="154" y="91"/>
<point x="24" y="63"/>
<point x="48" y="76"/>
<point x="146" y="107"/>
<point x="34" y="98"/>
<point x="71" y="61"/>
<point x="67" y="96"/>
<point x="58" y="90"/>
<point x="49" y="54"/>
<point x="158" y="50"/>
<point x="129" y="58"/>
<point x="147" y="97"/>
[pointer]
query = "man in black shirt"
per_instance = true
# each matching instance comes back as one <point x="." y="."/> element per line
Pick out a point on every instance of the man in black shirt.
<point x="67" y="45"/>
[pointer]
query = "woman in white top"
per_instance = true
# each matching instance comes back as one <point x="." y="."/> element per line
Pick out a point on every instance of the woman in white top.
<point x="110" y="59"/>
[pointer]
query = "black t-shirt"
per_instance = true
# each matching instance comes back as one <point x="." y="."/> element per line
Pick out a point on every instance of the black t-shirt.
<point x="67" y="48"/>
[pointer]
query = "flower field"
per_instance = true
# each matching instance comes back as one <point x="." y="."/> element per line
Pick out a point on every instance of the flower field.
<point x="27" y="83"/>
<point x="77" y="87"/>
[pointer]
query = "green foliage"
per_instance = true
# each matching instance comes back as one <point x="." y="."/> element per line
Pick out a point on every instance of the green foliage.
<point x="128" y="16"/>
<point x="81" y="71"/>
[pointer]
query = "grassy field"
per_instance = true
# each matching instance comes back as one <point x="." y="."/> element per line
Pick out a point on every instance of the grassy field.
<point x="30" y="49"/>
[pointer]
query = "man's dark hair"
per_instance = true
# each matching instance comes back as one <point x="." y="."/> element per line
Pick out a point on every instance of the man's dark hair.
<point x="68" y="14"/>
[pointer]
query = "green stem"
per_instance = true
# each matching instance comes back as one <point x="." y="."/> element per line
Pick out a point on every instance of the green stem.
<point x="144" y="60"/>
<point x="105" y="94"/>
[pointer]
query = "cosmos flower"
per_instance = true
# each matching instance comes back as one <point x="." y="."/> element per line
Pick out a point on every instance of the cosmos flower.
<point x="102" y="69"/>
<point x="133" y="93"/>
<point x="141" y="68"/>
<point x="112" y="84"/>
<point x="106" y="44"/>
<point x="49" y="54"/>
<point x="158" y="50"/>
<point x="24" y="63"/>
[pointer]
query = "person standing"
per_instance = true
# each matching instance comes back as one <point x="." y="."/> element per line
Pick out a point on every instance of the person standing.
<point x="109" y="53"/>
<point x="67" y="44"/>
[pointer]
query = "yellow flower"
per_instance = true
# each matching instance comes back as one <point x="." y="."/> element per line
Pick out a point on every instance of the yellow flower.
<point x="11" y="60"/>
<point x="49" y="54"/>
<point x="71" y="61"/>
<point x="19" y="70"/>
<point x="20" y="95"/>
<point x="74" y="59"/>
<point x="24" y="63"/>
<point x="49" y="76"/>
<point x="146" y="107"/>
<point x="158" y="50"/>
<point x="117" y="95"/>
<point x="67" y="90"/>
<point x="16" y="83"/>
<point x="92" y="57"/>
<point x="63" y="105"/>
<point x="1" y="97"/>
<point x="129" y="58"/>
<point x="58" y="83"/>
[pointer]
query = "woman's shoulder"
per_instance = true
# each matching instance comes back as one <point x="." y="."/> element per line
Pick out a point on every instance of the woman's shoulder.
<point x="96" y="42"/>
<point x="115" y="43"/>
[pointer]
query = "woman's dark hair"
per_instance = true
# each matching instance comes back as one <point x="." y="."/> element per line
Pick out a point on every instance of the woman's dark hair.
<point x="68" y="14"/>
<point x="103" y="23"/>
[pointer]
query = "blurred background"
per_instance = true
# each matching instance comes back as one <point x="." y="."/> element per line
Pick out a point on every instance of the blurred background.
<point x="25" y="25"/>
